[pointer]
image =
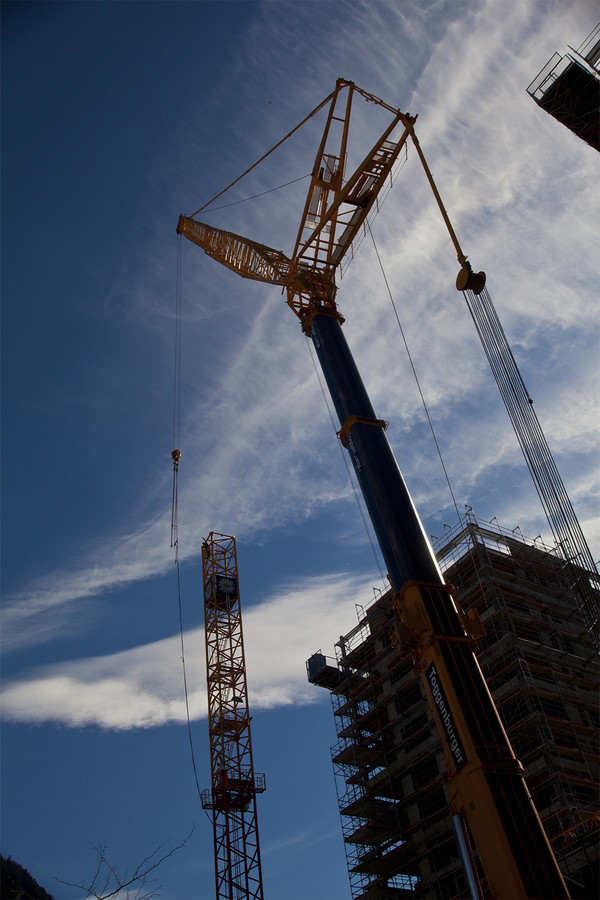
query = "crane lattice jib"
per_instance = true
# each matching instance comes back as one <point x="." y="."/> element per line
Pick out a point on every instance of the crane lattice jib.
<point x="260" y="263"/>
<point x="243" y="256"/>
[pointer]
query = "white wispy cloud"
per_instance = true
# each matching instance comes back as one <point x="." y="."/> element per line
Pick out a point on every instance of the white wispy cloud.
<point x="257" y="444"/>
<point x="143" y="687"/>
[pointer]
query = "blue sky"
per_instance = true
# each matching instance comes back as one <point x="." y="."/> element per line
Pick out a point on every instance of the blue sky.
<point x="118" y="116"/>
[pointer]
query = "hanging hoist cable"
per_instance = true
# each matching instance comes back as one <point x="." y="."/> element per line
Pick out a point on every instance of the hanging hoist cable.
<point x="185" y="686"/>
<point x="176" y="456"/>
<point x="476" y="568"/>
<point x="176" y="453"/>
<point x="548" y="483"/>
<point x="414" y="371"/>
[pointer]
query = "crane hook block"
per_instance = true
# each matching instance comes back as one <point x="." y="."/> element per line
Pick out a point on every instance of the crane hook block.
<point x="468" y="280"/>
<point x="176" y="456"/>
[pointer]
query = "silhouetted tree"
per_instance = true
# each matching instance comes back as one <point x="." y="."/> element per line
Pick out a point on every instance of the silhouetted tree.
<point x="16" y="883"/>
<point x="107" y="882"/>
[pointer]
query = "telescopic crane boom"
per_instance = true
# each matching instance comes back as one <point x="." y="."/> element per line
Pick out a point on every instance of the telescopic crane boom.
<point x="486" y="783"/>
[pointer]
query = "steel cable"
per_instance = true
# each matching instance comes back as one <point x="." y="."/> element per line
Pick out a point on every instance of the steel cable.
<point x="555" y="501"/>
<point x="176" y="455"/>
<point x="414" y="371"/>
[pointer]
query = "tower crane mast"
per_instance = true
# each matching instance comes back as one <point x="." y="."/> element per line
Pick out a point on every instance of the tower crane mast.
<point x="486" y="783"/>
<point x="234" y="783"/>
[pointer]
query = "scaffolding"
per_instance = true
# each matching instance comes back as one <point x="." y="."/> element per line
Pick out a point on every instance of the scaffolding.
<point x="568" y="86"/>
<point x="234" y="784"/>
<point x="540" y="665"/>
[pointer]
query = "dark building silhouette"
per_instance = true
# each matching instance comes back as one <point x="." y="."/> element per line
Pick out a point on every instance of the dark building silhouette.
<point x="568" y="87"/>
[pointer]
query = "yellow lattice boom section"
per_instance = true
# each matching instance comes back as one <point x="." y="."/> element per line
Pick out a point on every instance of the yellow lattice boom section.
<point x="243" y="256"/>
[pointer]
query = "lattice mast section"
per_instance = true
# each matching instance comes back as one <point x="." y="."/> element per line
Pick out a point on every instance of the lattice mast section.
<point x="234" y="784"/>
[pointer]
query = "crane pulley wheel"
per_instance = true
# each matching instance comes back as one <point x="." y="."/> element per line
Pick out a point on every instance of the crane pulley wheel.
<point x="468" y="280"/>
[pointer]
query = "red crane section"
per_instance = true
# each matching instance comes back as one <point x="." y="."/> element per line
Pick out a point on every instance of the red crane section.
<point x="234" y="784"/>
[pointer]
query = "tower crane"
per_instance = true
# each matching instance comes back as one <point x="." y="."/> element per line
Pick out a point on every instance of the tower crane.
<point x="234" y="783"/>
<point x="486" y="783"/>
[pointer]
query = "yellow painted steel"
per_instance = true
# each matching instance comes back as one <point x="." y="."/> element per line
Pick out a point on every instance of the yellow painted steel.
<point x="243" y="256"/>
<point x="333" y="215"/>
<point x="475" y="769"/>
<point x="334" y="212"/>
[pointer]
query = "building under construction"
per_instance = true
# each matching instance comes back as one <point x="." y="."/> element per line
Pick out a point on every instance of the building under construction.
<point x="568" y="88"/>
<point x="542" y="670"/>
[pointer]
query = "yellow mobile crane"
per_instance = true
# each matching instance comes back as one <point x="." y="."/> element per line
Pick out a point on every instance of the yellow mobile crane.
<point x="486" y="783"/>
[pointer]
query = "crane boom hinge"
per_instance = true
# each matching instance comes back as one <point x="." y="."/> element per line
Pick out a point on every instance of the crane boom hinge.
<point x="318" y="308"/>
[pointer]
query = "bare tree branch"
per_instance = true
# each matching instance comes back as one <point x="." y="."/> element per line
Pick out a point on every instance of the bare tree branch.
<point x="106" y="873"/>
